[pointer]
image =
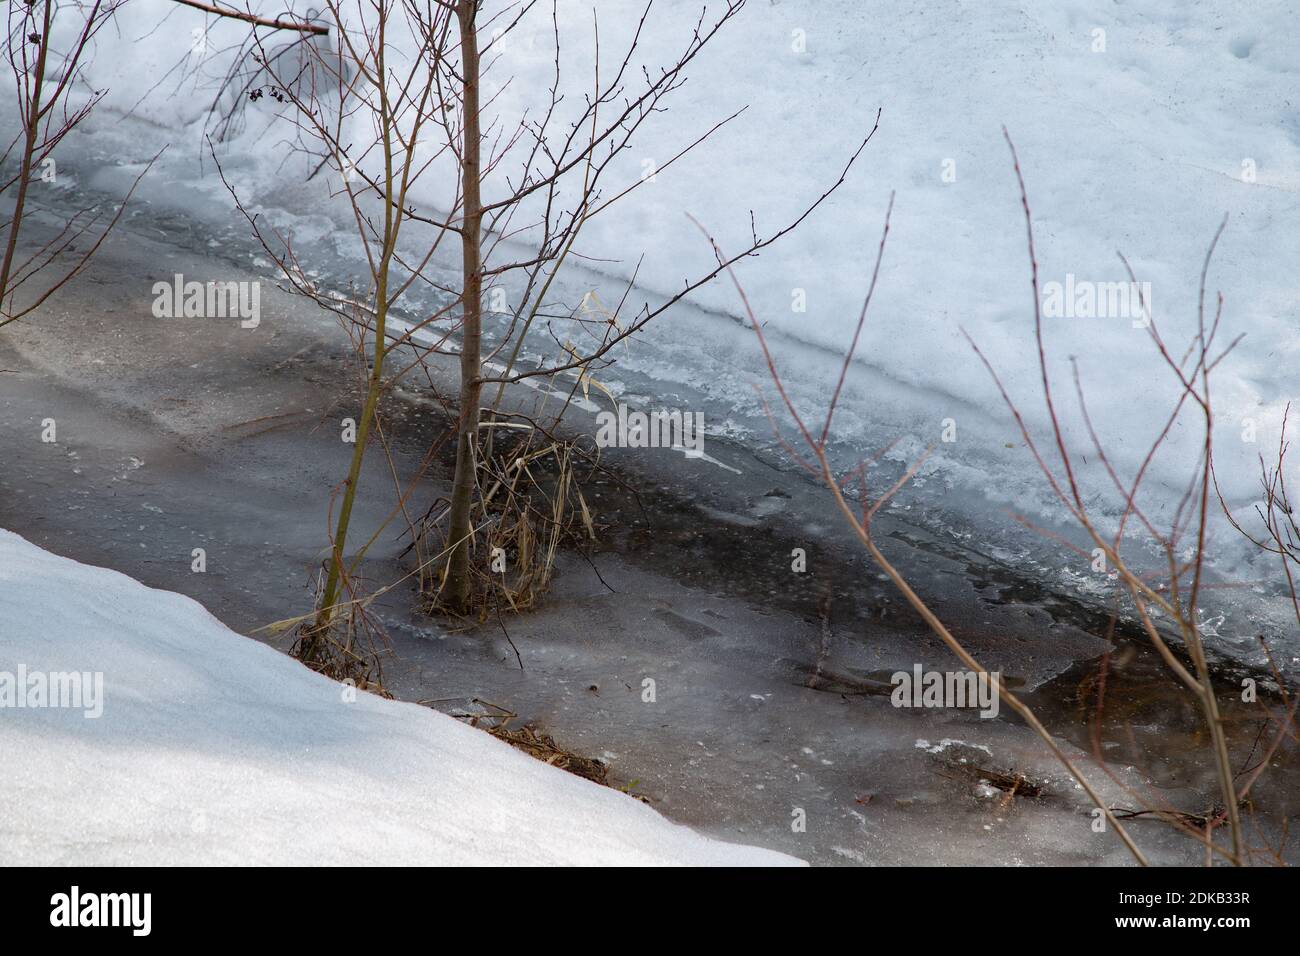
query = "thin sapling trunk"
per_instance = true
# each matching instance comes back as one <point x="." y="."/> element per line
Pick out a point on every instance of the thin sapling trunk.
<point x="457" y="584"/>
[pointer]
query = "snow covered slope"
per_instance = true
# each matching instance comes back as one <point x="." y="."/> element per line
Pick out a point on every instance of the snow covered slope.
<point x="214" y="749"/>
<point x="1139" y="127"/>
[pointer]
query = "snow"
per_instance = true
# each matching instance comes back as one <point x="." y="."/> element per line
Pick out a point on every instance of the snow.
<point x="1138" y="148"/>
<point x="215" y="749"/>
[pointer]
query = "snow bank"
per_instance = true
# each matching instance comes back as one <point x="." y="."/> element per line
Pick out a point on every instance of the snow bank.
<point x="1139" y="127"/>
<point x="215" y="749"/>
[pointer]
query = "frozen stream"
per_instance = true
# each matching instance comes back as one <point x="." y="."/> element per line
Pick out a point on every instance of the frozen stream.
<point x="705" y="361"/>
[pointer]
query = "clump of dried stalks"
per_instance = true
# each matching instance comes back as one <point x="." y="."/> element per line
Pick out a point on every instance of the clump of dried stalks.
<point x="544" y="748"/>
<point x="532" y="741"/>
<point x="529" y="504"/>
<point x="345" y="649"/>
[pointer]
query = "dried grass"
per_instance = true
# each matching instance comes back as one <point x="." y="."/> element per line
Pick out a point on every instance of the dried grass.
<point x="530" y="505"/>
